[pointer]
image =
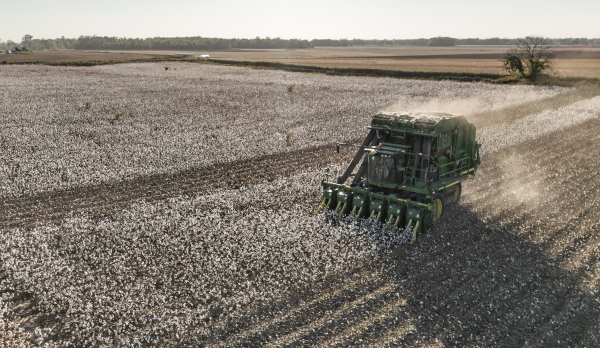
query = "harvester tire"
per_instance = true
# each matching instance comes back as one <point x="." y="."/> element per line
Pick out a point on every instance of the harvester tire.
<point x="457" y="193"/>
<point x="440" y="207"/>
<point x="431" y="218"/>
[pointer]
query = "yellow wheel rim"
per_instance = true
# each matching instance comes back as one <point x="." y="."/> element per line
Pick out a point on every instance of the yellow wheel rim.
<point x="435" y="216"/>
<point x="456" y="193"/>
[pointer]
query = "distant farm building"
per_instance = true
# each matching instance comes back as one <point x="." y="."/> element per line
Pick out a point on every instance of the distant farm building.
<point x="184" y="54"/>
<point x="17" y="48"/>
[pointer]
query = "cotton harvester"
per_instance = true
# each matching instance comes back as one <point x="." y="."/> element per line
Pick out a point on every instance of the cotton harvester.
<point x="412" y="168"/>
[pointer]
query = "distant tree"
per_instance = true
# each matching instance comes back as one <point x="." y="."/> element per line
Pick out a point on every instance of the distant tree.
<point x="50" y="45"/>
<point x="529" y="59"/>
<point x="441" y="41"/>
<point x="26" y="40"/>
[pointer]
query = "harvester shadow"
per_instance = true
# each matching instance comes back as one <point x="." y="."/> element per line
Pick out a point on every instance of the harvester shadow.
<point x="492" y="287"/>
<point x="464" y="283"/>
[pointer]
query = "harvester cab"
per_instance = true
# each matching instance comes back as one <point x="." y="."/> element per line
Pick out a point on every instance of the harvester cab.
<point x="410" y="167"/>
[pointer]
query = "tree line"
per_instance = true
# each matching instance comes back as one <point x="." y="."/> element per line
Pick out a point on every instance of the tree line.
<point x="40" y="44"/>
<point x="156" y="43"/>
<point x="202" y="43"/>
<point x="446" y="41"/>
<point x="184" y="43"/>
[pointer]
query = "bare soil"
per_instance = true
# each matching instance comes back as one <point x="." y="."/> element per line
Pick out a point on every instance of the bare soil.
<point x="63" y="56"/>
<point x="569" y="61"/>
<point x="406" y="52"/>
<point x="564" y="67"/>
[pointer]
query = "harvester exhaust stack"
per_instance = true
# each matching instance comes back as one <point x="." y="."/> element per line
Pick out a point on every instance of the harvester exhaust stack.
<point x="412" y="167"/>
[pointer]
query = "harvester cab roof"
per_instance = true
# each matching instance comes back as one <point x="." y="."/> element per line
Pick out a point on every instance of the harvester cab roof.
<point x="411" y="165"/>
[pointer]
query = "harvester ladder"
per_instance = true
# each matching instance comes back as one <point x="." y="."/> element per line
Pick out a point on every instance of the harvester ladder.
<point x="411" y="166"/>
<point x="418" y="161"/>
<point x="409" y="176"/>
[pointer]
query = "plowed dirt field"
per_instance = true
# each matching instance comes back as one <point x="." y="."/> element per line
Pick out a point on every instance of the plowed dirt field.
<point x="515" y="264"/>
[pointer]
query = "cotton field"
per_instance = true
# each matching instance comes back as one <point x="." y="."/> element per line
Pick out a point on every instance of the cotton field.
<point x="501" y="136"/>
<point x="68" y="127"/>
<point x="183" y="261"/>
<point x="254" y="264"/>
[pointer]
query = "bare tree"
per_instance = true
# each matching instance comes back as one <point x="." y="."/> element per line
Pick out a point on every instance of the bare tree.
<point x="529" y="59"/>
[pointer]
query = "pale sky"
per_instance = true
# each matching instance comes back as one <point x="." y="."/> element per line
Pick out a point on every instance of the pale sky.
<point x="309" y="19"/>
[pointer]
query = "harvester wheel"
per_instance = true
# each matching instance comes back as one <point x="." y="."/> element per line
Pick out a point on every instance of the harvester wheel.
<point x="439" y="205"/>
<point x="430" y="217"/>
<point x="457" y="193"/>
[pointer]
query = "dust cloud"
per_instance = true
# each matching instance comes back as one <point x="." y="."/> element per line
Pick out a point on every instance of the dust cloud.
<point x="505" y="135"/>
<point x="502" y="124"/>
<point x="467" y="102"/>
<point x="453" y="106"/>
<point x="520" y="186"/>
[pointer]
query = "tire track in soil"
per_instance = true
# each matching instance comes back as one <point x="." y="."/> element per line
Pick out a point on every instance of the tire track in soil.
<point x="100" y="199"/>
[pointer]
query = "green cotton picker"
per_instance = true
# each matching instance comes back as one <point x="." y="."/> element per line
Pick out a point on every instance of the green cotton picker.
<point x="412" y="168"/>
